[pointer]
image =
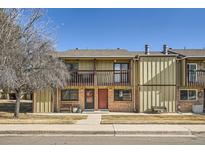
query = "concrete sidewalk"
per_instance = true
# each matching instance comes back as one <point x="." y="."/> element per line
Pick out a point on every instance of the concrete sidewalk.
<point x="115" y="129"/>
<point x="92" y="119"/>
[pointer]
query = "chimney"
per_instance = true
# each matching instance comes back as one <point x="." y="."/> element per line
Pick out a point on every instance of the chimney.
<point x="147" y="49"/>
<point x="165" y="49"/>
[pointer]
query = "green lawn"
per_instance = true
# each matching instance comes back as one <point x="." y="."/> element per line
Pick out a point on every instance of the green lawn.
<point x="153" y="119"/>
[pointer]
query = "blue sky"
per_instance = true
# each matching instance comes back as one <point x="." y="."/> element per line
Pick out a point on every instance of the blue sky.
<point x="128" y="28"/>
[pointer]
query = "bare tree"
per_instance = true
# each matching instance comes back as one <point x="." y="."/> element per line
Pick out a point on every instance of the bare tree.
<point x="26" y="52"/>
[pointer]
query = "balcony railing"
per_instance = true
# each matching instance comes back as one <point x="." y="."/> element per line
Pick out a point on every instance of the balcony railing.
<point x="99" y="77"/>
<point x="196" y="78"/>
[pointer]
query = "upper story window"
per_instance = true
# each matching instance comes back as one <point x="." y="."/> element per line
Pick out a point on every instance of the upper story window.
<point x="121" y="72"/>
<point x="192" y="68"/>
<point x="72" y="66"/>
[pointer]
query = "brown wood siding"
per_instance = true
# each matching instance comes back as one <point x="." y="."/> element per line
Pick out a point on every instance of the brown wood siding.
<point x="157" y="82"/>
<point x="42" y="101"/>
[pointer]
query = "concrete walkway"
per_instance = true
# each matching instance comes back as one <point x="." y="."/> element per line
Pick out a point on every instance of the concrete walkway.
<point x="96" y="129"/>
<point x="92" y="125"/>
<point x="92" y="119"/>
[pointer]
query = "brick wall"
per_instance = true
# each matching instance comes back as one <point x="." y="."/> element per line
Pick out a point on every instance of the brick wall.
<point x="66" y="104"/>
<point x="113" y="106"/>
<point x="119" y="106"/>
<point x="186" y="106"/>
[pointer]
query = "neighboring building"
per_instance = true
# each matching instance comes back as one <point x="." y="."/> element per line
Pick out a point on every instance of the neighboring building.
<point x="119" y="80"/>
<point x="10" y="95"/>
<point x="190" y="78"/>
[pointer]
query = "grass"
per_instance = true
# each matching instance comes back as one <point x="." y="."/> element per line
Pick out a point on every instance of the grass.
<point x="153" y="119"/>
<point x="7" y="118"/>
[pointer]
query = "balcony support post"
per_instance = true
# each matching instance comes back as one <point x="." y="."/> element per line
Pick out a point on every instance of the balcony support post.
<point x="95" y="75"/>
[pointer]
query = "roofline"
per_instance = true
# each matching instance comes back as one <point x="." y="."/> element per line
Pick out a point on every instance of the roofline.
<point x="193" y="57"/>
<point x="158" y="55"/>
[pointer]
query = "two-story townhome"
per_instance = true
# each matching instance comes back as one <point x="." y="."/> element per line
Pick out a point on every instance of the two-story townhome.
<point x="127" y="81"/>
<point x="99" y="80"/>
<point x="190" y="78"/>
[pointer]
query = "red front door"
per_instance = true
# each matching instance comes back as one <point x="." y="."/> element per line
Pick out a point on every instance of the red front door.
<point x="102" y="98"/>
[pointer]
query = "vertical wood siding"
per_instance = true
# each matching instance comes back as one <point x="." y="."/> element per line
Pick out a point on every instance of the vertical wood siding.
<point x="157" y="82"/>
<point x="43" y="101"/>
<point x="157" y="70"/>
<point x="86" y="65"/>
<point x="158" y="96"/>
<point x="104" y="77"/>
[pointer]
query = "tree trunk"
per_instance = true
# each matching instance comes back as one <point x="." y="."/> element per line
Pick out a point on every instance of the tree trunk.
<point x="17" y="106"/>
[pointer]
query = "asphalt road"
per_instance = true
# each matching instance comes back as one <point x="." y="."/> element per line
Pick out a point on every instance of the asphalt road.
<point x="99" y="140"/>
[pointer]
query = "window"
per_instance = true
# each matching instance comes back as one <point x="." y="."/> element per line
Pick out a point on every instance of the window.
<point x="192" y="68"/>
<point x="188" y="94"/>
<point x="123" y="95"/>
<point x="72" y="69"/>
<point x="121" y="72"/>
<point x="69" y="95"/>
<point x="72" y="66"/>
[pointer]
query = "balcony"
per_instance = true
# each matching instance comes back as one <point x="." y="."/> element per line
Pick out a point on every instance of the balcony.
<point x="196" y="78"/>
<point x="99" y="78"/>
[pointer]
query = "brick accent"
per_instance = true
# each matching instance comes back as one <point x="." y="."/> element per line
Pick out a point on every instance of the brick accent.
<point x="66" y="104"/>
<point x="118" y="106"/>
<point x="82" y="98"/>
<point x="115" y="106"/>
<point x="186" y="106"/>
<point x="96" y="99"/>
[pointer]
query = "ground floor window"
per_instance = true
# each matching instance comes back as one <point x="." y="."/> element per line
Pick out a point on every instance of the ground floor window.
<point x="188" y="94"/>
<point x="69" y="95"/>
<point x="122" y="95"/>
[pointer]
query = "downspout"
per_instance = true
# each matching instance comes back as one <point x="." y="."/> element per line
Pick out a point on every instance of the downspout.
<point x="134" y="81"/>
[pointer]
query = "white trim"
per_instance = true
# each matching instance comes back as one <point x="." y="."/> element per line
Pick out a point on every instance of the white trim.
<point x="188" y="94"/>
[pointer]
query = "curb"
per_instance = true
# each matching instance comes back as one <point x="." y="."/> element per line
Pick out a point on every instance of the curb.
<point x="118" y="123"/>
<point x="103" y="132"/>
<point x="152" y="133"/>
<point x="59" y="132"/>
<point x="200" y="133"/>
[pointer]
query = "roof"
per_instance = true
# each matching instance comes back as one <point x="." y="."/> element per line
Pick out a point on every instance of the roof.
<point x="190" y="52"/>
<point x="96" y="53"/>
<point x="104" y="53"/>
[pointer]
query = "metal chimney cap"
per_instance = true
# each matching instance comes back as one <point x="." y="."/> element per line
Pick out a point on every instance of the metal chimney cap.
<point x="165" y="49"/>
<point x="147" y="51"/>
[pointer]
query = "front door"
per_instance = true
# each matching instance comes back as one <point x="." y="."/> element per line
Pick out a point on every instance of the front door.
<point x="89" y="98"/>
<point x="102" y="98"/>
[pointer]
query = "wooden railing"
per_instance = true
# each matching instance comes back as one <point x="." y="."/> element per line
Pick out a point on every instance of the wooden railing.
<point x="99" y="77"/>
<point x="196" y="78"/>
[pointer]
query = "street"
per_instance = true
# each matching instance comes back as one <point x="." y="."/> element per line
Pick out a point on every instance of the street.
<point x="98" y="140"/>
